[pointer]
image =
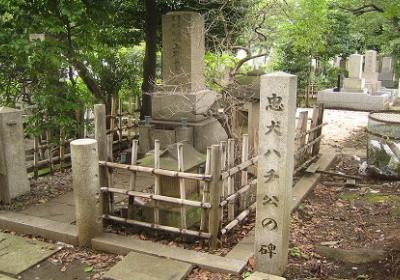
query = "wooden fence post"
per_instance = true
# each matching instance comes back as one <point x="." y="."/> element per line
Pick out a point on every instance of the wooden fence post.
<point x="215" y="188"/>
<point x="244" y="175"/>
<point x="182" y="187"/>
<point x="231" y="179"/>
<point x="85" y="179"/>
<point x="320" y="118"/>
<point x="35" y="156"/>
<point x="157" y="181"/>
<point x="206" y="191"/>
<point x="132" y="179"/>
<point x="275" y="171"/>
<point x="101" y="138"/>
<point x="50" y="154"/>
<point x="300" y="140"/>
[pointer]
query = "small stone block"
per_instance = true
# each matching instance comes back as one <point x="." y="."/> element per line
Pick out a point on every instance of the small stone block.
<point x="146" y="267"/>
<point x="263" y="276"/>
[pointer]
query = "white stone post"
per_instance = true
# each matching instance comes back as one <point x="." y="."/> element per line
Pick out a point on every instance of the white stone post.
<point x="86" y="185"/>
<point x="275" y="171"/>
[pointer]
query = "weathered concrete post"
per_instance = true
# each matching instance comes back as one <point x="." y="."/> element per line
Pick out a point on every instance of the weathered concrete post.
<point x="13" y="176"/>
<point x="275" y="171"/>
<point x="85" y="181"/>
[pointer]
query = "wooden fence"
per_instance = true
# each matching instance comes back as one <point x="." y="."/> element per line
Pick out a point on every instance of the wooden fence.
<point x="308" y="137"/>
<point x="47" y="154"/>
<point x="55" y="155"/>
<point x="227" y="185"/>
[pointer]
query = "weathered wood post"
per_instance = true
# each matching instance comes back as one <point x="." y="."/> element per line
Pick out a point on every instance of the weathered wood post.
<point x="101" y="138"/>
<point x="300" y="137"/>
<point x="85" y="181"/>
<point x="275" y="171"/>
<point x="318" y="133"/>
<point x="215" y="189"/>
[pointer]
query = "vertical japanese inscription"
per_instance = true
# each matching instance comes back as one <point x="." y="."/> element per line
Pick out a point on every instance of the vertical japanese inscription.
<point x="276" y="144"/>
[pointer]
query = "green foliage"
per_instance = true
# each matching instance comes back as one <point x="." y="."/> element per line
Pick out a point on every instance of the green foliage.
<point x="216" y="69"/>
<point x="295" y="252"/>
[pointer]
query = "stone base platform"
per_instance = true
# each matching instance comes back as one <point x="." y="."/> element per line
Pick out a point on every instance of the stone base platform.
<point x="353" y="100"/>
<point x="204" y="133"/>
<point x="175" y="105"/>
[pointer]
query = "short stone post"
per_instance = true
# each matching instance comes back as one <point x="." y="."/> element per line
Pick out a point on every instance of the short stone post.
<point x="13" y="175"/>
<point x="275" y="171"/>
<point x="215" y="189"/>
<point x="86" y="185"/>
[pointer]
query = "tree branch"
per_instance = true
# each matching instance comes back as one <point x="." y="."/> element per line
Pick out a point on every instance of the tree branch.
<point x="363" y="9"/>
<point x="244" y="60"/>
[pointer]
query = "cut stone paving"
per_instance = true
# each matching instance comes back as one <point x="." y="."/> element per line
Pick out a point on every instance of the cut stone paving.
<point x="122" y="245"/>
<point x="52" y="210"/>
<point x="145" y="267"/>
<point x="262" y="276"/>
<point x="18" y="254"/>
<point x="49" y="271"/>
<point x="62" y="208"/>
<point x="5" y="277"/>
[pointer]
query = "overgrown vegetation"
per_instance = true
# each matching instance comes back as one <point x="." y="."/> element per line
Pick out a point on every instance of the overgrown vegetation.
<point x="59" y="57"/>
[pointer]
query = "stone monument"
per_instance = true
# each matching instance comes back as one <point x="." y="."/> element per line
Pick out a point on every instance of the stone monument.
<point x="387" y="75"/>
<point x="182" y="99"/>
<point x="275" y="171"/>
<point x="354" y="83"/>
<point x="13" y="175"/>
<point x="370" y="74"/>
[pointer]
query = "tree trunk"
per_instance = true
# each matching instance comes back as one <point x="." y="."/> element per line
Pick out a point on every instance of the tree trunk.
<point x="149" y="63"/>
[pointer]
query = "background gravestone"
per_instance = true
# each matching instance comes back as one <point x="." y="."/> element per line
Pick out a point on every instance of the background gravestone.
<point x="13" y="175"/>
<point x="387" y="72"/>
<point x="354" y="83"/>
<point x="370" y="74"/>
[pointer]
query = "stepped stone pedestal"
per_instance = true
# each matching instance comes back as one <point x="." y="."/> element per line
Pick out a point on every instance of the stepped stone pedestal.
<point x="182" y="100"/>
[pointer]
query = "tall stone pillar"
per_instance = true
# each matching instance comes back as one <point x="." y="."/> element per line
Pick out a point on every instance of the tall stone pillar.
<point x="275" y="171"/>
<point x="183" y="51"/>
<point x="370" y="74"/>
<point x="13" y="175"/>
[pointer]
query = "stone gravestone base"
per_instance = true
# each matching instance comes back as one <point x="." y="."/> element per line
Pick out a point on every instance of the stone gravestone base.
<point x="353" y="100"/>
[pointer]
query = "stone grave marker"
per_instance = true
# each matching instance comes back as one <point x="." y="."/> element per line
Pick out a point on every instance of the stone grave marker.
<point x="387" y="72"/>
<point x="354" y="83"/>
<point x="370" y="74"/>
